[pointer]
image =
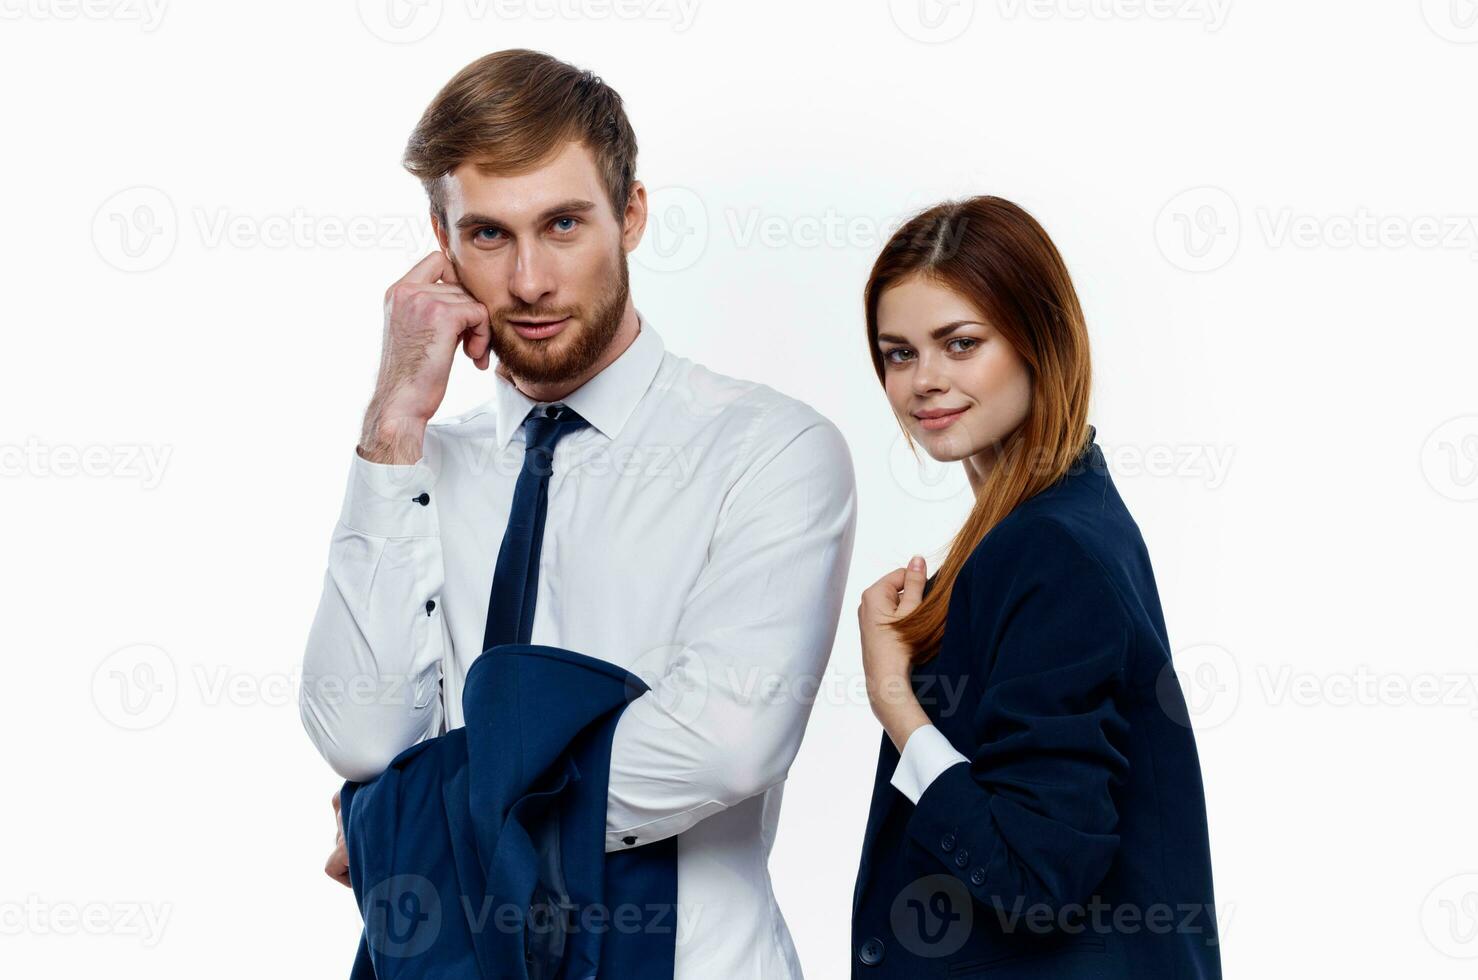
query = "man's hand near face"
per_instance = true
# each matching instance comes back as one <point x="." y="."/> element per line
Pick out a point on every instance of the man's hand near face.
<point x="427" y="314"/>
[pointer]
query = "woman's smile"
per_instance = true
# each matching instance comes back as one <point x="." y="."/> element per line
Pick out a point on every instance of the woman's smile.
<point x="939" y="418"/>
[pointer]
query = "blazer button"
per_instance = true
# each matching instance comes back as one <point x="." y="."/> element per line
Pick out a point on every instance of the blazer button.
<point x="947" y="842"/>
<point x="871" y="953"/>
<point x="977" y="877"/>
<point x="962" y="858"/>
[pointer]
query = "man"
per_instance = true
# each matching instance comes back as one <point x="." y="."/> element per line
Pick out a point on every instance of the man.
<point x="696" y="531"/>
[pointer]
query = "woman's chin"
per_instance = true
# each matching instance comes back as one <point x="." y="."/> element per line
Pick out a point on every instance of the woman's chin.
<point x="944" y="447"/>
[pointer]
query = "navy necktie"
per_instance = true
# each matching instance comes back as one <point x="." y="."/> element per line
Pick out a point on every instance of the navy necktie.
<point x="516" y="576"/>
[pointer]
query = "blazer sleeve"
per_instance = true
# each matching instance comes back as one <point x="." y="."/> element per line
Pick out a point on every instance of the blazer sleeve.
<point x="1030" y="820"/>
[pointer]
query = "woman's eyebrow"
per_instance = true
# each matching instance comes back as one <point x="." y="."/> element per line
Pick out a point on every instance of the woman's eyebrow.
<point x="934" y="334"/>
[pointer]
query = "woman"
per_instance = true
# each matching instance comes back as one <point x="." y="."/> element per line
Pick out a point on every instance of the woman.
<point x="1038" y="809"/>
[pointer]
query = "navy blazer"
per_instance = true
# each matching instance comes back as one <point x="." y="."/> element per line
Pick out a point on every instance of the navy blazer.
<point x="480" y="853"/>
<point x="1073" y="843"/>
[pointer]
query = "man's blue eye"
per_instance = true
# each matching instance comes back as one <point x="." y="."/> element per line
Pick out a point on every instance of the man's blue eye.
<point x="488" y="231"/>
<point x="558" y="221"/>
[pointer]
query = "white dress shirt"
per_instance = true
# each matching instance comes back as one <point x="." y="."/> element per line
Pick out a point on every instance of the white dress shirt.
<point x="699" y="533"/>
<point x="926" y="753"/>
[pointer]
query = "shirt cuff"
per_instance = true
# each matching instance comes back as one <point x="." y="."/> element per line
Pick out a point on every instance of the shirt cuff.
<point x="390" y="500"/>
<point x="926" y="754"/>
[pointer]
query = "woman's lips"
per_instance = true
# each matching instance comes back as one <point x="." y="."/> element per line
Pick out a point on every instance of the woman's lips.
<point x="529" y="331"/>
<point x="941" y="421"/>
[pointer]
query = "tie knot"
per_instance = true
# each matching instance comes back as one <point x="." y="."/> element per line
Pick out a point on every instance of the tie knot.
<point x="544" y="426"/>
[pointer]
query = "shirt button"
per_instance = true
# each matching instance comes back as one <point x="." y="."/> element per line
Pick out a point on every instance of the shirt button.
<point x="962" y="858"/>
<point x="947" y="842"/>
<point x="423" y="499"/>
<point x="430" y="605"/>
<point x="628" y="841"/>
<point x="977" y="877"/>
<point x="871" y="952"/>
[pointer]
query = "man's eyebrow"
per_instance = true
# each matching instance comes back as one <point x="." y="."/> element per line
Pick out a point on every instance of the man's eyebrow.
<point x="934" y="334"/>
<point x="574" y="205"/>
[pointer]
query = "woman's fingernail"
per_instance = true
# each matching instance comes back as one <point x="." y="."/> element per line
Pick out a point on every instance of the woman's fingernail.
<point x="916" y="562"/>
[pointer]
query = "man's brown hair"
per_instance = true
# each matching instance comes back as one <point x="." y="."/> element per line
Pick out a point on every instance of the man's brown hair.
<point x="508" y="111"/>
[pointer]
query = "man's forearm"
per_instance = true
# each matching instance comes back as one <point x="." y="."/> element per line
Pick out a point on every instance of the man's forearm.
<point x="372" y="665"/>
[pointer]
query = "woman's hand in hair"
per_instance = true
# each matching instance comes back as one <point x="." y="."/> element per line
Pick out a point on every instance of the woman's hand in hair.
<point x="886" y="660"/>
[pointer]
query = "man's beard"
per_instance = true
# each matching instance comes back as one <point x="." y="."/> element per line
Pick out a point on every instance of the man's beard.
<point x="574" y="349"/>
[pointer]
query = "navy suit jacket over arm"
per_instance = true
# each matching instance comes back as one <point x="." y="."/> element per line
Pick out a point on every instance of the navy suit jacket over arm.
<point x="1072" y="842"/>
<point x="481" y="853"/>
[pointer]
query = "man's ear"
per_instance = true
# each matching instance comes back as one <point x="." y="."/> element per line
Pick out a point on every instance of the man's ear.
<point x="634" y="221"/>
<point x="439" y="229"/>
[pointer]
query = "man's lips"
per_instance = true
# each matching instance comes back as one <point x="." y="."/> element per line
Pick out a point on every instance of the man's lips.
<point x="538" y="329"/>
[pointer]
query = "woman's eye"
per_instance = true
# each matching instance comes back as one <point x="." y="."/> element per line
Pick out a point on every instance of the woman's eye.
<point x="897" y="355"/>
<point x="969" y="343"/>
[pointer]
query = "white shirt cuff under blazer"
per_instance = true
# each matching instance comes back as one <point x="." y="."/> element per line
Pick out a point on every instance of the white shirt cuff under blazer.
<point x="699" y="533"/>
<point x="925" y="755"/>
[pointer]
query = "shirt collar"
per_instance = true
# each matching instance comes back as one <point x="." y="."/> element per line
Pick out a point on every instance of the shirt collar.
<point x="606" y="401"/>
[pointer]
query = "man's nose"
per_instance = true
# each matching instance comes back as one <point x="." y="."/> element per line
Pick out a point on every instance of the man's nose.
<point x="533" y="275"/>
